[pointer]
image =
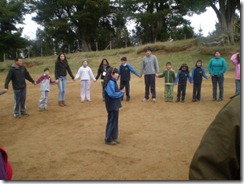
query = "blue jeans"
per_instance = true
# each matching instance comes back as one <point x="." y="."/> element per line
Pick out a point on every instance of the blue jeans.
<point x="216" y="79"/>
<point x="19" y="101"/>
<point x="62" y="87"/>
<point x="238" y="86"/>
<point x="112" y="126"/>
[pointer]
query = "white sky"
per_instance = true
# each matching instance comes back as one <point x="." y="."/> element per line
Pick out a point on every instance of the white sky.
<point x="206" y="21"/>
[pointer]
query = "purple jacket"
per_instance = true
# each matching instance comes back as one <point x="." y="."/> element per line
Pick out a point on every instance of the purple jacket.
<point x="236" y="62"/>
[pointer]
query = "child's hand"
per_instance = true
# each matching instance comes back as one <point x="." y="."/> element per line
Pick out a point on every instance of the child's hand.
<point x="56" y="81"/>
<point x="123" y="90"/>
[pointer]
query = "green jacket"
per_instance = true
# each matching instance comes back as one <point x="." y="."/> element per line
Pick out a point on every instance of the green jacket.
<point x="169" y="76"/>
<point x="218" y="155"/>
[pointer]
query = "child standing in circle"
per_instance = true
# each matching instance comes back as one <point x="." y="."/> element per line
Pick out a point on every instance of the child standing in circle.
<point x="45" y="81"/>
<point x="198" y="73"/>
<point x="113" y="103"/>
<point x="169" y="75"/>
<point x="124" y="72"/>
<point x="181" y="79"/>
<point x="85" y="74"/>
<point x="102" y="69"/>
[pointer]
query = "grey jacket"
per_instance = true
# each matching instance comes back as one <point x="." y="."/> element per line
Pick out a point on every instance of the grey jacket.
<point x="149" y="65"/>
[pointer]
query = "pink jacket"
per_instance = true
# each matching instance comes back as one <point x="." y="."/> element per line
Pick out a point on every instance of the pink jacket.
<point x="235" y="61"/>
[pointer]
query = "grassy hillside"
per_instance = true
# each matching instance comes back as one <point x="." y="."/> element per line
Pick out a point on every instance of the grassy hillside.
<point x="178" y="52"/>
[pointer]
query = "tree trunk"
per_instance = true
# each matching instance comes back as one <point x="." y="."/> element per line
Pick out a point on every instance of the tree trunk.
<point x="226" y="17"/>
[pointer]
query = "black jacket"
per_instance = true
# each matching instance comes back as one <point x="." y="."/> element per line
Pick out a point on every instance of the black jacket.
<point x="100" y="71"/>
<point x="18" y="76"/>
<point x="61" y="69"/>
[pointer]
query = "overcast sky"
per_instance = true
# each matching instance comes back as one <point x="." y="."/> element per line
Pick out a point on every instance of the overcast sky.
<point x="206" y="21"/>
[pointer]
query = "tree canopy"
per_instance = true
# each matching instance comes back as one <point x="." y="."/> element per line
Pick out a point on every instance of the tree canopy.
<point x="84" y="25"/>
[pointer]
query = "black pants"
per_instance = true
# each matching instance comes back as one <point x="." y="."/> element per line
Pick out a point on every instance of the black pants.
<point x="125" y="84"/>
<point x="196" y="91"/>
<point x="150" y="84"/>
<point x="181" y="92"/>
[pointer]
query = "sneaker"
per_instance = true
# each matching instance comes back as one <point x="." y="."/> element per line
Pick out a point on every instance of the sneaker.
<point x="145" y="100"/>
<point x="194" y="100"/>
<point x="24" y="114"/>
<point x="88" y="100"/>
<point x="41" y="109"/>
<point x="177" y="100"/>
<point x="110" y="142"/>
<point x="127" y="99"/>
<point x="183" y="101"/>
<point x="214" y="99"/>
<point x="117" y="141"/>
<point x="154" y="100"/>
<point x="16" y="116"/>
<point x="45" y="108"/>
<point x="219" y="100"/>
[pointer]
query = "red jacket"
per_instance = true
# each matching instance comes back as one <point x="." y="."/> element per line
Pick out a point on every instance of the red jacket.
<point x="9" y="170"/>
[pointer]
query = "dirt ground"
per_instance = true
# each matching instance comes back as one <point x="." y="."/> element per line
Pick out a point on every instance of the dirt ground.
<point x="158" y="140"/>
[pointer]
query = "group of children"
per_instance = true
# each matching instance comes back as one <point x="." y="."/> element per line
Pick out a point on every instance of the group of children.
<point x="181" y="79"/>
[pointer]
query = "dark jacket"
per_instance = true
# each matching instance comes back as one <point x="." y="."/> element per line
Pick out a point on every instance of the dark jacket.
<point x="218" y="155"/>
<point x="113" y="96"/>
<point x="18" y="76"/>
<point x="124" y="72"/>
<point x="197" y="74"/>
<point x="61" y="68"/>
<point x="102" y="71"/>
<point x="182" y="77"/>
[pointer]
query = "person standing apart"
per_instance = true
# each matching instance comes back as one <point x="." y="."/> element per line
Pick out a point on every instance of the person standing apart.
<point x="169" y="75"/>
<point x="149" y="67"/>
<point x="85" y="74"/>
<point x="45" y="81"/>
<point x="61" y="68"/>
<point x="102" y="69"/>
<point x="235" y="59"/>
<point x="198" y="72"/>
<point x="17" y="74"/>
<point x="217" y="67"/>
<point x="124" y="72"/>
<point x="113" y="97"/>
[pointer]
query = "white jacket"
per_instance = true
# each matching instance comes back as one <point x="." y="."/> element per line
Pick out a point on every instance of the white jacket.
<point x="85" y="73"/>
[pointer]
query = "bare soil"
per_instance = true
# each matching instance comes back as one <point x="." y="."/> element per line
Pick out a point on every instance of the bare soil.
<point x="158" y="140"/>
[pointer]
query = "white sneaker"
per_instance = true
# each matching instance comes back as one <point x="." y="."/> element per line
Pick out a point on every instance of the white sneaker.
<point x="144" y="100"/>
<point x="154" y="100"/>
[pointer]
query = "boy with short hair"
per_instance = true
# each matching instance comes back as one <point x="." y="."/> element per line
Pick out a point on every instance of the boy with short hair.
<point x="169" y="75"/>
<point x="124" y="72"/>
<point x="45" y="81"/>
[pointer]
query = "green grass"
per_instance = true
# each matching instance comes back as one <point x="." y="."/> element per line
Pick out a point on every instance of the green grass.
<point x="178" y="52"/>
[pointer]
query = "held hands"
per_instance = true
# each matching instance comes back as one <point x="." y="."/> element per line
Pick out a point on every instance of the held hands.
<point x="123" y="90"/>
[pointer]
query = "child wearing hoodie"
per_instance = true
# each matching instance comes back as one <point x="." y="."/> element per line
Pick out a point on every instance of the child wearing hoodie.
<point x="45" y="81"/>
<point x="198" y="72"/>
<point x="181" y="79"/>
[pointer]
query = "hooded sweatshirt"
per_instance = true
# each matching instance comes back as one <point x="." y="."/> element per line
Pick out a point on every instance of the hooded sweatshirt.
<point x="18" y="74"/>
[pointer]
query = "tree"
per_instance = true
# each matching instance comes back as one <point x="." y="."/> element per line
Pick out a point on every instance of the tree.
<point x="11" y="14"/>
<point x="225" y="11"/>
<point x="157" y="20"/>
<point x="69" y="21"/>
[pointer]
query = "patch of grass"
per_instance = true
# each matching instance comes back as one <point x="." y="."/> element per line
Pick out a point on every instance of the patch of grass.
<point x="178" y="52"/>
